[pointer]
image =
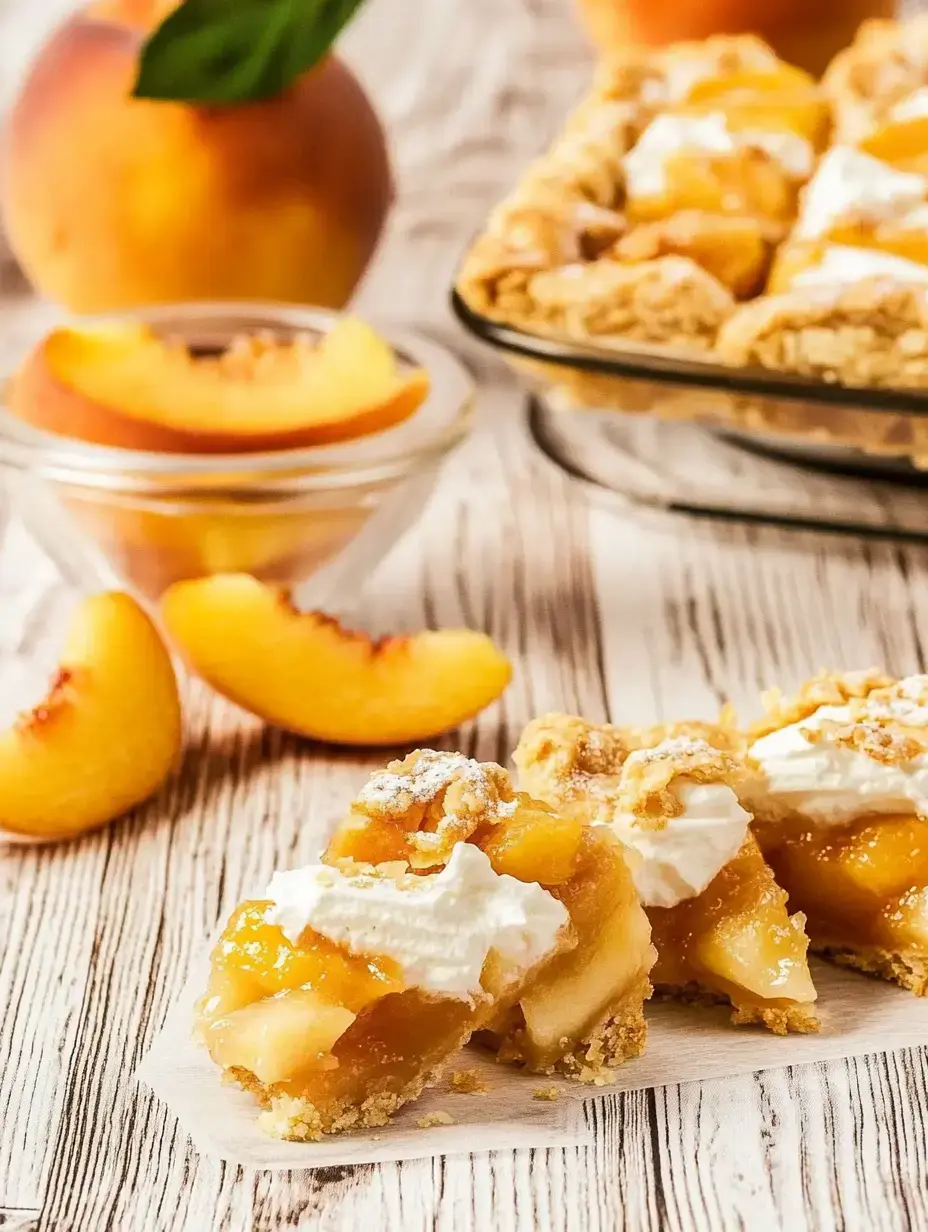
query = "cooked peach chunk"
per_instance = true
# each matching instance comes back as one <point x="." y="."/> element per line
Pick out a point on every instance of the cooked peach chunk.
<point x="901" y="143"/>
<point x="278" y="1038"/>
<point x="304" y="672"/>
<point x="105" y="737"/>
<point x="536" y="844"/>
<point x="125" y="385"/>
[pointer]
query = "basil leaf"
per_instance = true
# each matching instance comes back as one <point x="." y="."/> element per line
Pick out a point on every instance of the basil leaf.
<point x="237" y="51"/>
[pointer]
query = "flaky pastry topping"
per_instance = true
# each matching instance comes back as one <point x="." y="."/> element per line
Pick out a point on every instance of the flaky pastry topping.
<point x="825" y="689"/>
<point x="646" y="784"/>
<point x="440" y="799"/>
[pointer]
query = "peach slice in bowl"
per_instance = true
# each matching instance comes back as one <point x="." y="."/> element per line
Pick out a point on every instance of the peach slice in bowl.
<point x="292" y="444"/>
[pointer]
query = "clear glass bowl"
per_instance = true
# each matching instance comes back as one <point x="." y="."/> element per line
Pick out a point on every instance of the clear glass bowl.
<point x="316" y="520"/>
<point x="651" y="454"/>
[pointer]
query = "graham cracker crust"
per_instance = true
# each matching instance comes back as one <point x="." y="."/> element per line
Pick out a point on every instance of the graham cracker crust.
<point x="907" y="970"/>
<point x="298" y="1119"/>
<point x="795" y="1018"/>
<point x="619" y="1035"/>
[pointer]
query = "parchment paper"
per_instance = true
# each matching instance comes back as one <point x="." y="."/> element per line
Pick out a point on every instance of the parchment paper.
<point x="859" y="1015"/>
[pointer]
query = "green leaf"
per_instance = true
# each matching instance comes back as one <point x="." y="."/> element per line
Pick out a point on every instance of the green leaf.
<point x="237" y="51"/>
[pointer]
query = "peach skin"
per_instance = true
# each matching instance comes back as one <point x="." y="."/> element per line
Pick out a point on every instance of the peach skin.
<point x="806" y="32"/>
<point x="123" y="385"/>
<point x="304" y="672"/>
<point x="112" y="201"/>
<point x="105" y="737"/>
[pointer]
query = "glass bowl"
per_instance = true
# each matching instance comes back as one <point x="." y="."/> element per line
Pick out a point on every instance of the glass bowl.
<point x="316" y="520"/>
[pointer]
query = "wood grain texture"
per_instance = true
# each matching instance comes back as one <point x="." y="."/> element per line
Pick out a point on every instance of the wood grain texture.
<point x="602" y="613"/>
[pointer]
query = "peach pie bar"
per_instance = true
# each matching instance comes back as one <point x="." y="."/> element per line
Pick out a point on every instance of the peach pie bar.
<point x="581" y="1012"/>
<point x="338" y="997"/>
<point x="660" y="203"/>
<point x="669" y="793"/>
<point x="841" y="807"/>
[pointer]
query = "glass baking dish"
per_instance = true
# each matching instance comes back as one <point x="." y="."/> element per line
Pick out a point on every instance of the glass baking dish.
<point x="862" y="454"/>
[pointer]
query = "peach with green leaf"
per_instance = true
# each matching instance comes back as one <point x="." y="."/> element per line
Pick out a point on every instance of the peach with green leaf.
<point x="220" y="154"/>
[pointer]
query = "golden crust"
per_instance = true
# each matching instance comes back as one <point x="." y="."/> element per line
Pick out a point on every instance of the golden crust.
<point x="872" y="333"/>
<point x="670" y="301"/>
<point x="298" y="1120"/>
<point x="619" y="1035"/>
<point x="908" y="970"/>
<point x="794" y="1018"/>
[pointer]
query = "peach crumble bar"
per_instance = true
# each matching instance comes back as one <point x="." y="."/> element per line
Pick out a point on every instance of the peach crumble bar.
<point x="337" y="998"/>
<point x="885" y="65"/>
<point x="660" y="202"/>
<point x="840" y="796"/>
<point x="670" y="794"/>
<point x="581" y="1012"/>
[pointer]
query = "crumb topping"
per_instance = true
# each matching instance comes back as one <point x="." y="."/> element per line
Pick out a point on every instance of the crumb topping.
<point x="548" y="1095"/>
<point x="432" y="1119"/>
<point x="614" y="770"/>
<point x="467" y="1082"/>
<point x="881" y="739"/>
<point x="440" y="799"/>
<point x="646" y="789"/>
<point x="825" y="689"/>
<point x="887" y="718"/>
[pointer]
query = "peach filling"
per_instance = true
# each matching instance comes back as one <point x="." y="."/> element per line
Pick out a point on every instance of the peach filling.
<point x="736" y="939"/>
<point x="582" y="1011"/>
<point x="863" y="886"/>
<point x="325" y="1039"/>
<point x="733" y="940"/>
<point x="749" y="182"/>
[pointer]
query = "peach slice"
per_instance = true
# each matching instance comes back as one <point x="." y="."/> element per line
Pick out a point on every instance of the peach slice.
<point x="304" y="672"/>
<point x="124" y="385"/>
<point x="105" y="737"/>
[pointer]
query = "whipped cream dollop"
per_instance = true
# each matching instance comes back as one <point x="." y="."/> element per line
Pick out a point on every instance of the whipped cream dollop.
<point x="709" y="134"/>
<point x="912" y="107"/>
<point x="842" y="266"/>
<point x="680" y="71"/>
<point x="833" y="784"/>
<point x="678" y="860"/>
<point x="437" y="928"/>
<point x="849" y="184"/>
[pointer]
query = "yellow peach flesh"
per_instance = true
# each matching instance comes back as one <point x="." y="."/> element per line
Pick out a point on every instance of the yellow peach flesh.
<point x="105" y="737"/>
<point x="304" y="672"/>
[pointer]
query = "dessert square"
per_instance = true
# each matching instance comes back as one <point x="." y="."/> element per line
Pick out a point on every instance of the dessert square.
<point x="840" y="798"/>
<point x="580" y="1013"/>
<point x="659" y="204"/>
<point x="670" y="793"/>
<point x="342" y="993"/>
<point x="694" y="202"/>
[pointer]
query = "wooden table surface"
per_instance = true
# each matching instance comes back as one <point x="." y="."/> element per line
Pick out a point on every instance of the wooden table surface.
<point x="601" y="614"/>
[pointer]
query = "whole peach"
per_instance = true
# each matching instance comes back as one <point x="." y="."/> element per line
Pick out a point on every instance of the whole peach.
<point x="805" y="32"/>
<point x="112" y="201"/>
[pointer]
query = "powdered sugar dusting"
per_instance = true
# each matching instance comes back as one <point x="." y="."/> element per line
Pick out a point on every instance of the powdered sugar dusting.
<point x="678" y="746"/>
<point x="433" y="772"/>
